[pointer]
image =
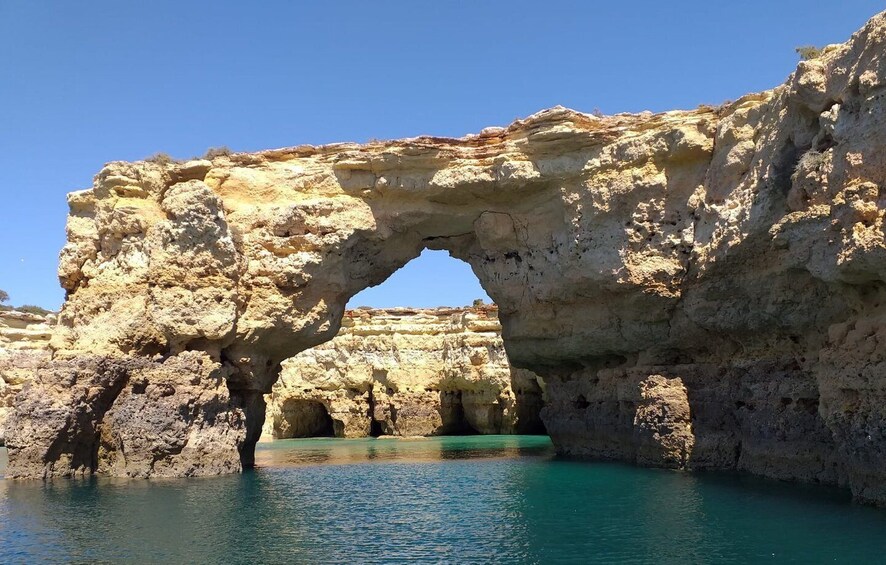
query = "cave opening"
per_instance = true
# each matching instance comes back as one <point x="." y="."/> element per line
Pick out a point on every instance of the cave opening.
<point x="452" y="414"/>
<point x="376" y="428"/>
<point x="303" y="419"/>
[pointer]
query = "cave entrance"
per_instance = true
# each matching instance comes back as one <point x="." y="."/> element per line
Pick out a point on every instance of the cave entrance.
<point x="452" y="413"/>
<point x="303" y="418"/>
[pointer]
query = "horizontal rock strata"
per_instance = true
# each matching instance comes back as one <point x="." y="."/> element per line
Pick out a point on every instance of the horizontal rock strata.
<point x="698" y="289"/>
<point x="24" y="346"/>
<point x="406" y="372"/>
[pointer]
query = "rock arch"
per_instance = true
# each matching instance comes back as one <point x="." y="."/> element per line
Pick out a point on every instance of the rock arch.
<point x="666" y="274"/>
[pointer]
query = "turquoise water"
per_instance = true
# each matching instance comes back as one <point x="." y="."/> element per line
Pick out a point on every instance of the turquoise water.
<point x="501" y="499"/>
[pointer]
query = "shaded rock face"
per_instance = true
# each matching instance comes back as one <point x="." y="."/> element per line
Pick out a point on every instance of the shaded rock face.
<point x="698" y="289"/>
<point x="24" y="347"/>
<point x="297" y="417"/>
<point x="406" y="372"/>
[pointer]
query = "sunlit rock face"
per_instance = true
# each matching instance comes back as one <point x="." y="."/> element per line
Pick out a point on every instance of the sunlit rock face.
<point x="698" y="289"/>
<point x="24" y="346"/>
<point x="404" y="371"/>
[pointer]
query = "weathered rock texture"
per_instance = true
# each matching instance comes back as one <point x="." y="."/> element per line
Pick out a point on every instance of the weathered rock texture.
<point x="699" y="289"/>
<point x="24" y="346"/>
<point x="406" y="372"/>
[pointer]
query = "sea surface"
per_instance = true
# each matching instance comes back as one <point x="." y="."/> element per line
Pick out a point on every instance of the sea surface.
<point x="480" y="499"/>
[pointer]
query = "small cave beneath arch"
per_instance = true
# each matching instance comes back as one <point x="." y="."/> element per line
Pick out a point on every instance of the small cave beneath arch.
<point x="452" y="414"/>
<point x="303" y="418"/>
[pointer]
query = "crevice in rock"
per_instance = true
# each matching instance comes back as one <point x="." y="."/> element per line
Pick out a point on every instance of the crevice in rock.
<point x="528" y="405"/>
<point x="376" y="428"/>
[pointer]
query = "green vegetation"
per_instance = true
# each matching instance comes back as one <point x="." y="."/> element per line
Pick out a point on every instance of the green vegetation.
<point x="478" y="302"/>
<point x="3" y="296"/>
<point x="807" y="52"/>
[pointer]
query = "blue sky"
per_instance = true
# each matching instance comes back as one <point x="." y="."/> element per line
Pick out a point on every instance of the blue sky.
<point x="88" y="82"/>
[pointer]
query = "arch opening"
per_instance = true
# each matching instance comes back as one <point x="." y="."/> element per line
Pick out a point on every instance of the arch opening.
<point x="420" y="354"/>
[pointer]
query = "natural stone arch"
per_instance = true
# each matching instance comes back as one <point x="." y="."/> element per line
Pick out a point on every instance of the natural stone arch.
<point x="667" y="274"/>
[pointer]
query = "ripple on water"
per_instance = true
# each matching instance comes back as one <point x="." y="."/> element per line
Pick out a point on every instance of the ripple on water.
<point x="475" y="499"/>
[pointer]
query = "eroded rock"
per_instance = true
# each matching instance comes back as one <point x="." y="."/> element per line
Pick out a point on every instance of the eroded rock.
<point x="731" y="260"/>
<point x="403" y="371"/>
<point x="24" y="347"/>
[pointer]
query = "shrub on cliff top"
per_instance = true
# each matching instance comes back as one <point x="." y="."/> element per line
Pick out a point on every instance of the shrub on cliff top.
<point x="807" y="52"/>
<point x="3" y="296"/>
<point x="161" y="159"/>
<point x="214" y="152"/>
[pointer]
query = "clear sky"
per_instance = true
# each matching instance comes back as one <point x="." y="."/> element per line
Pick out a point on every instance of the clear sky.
<point x="86" y="82"/>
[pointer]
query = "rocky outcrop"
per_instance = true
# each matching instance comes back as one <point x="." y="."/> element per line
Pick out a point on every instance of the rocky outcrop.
<point x="402" y="371"/>
<point x="698" y="289"/>
<point x="24" y="346"/>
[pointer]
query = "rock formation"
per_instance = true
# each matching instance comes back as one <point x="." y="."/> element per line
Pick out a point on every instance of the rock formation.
<point x="698" y="289"/>
<point x="405" y="372"/>
<point x="24" y="346"/>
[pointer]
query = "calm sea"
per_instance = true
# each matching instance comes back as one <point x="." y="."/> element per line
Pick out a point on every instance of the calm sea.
<point x="481" y="499"/>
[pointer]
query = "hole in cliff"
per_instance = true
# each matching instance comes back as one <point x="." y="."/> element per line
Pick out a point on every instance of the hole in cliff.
<point x="452" y="413"/>
<point x="420" y="354"/>
<point x="431" y="279"/>
<point x="375" y="428"/>
<point x="303" y="418"/>
<point x="581" y="403"/>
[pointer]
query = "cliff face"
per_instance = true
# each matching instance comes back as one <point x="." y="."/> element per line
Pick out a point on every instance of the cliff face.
<point x="406" y="372"/>
<point x="24" y="346"/>
<point x="699" y="289"/>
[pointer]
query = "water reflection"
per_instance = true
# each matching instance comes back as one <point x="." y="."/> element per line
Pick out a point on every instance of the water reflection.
<point x="326" y="451"/>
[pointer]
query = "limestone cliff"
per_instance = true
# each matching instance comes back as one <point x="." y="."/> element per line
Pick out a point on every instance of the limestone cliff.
<point x="699" y="289"/>
<point x="404" y="371"/>
<point x="24" y="346"/>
